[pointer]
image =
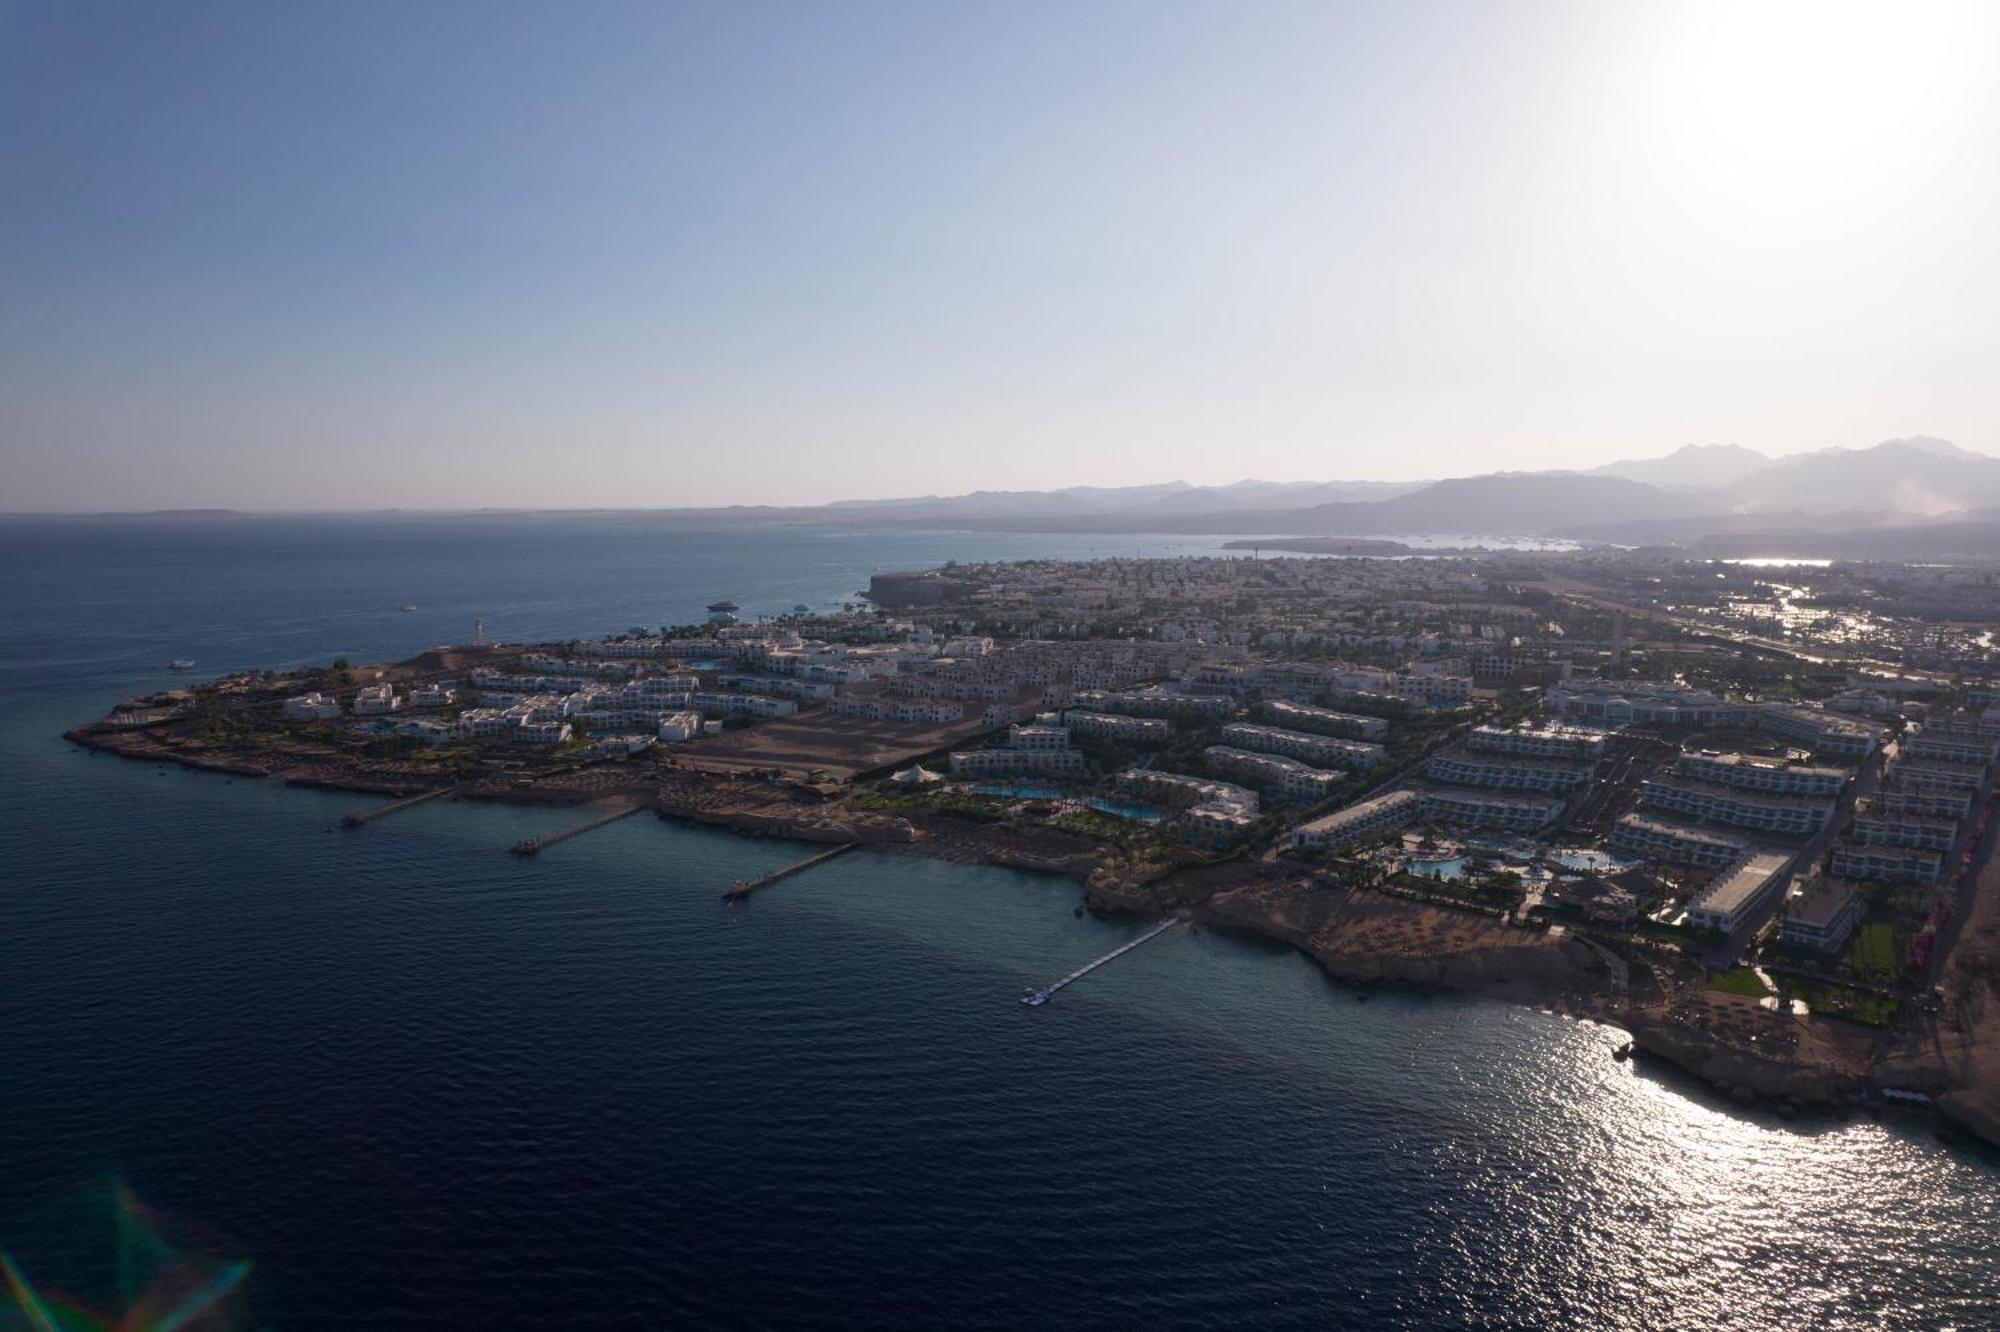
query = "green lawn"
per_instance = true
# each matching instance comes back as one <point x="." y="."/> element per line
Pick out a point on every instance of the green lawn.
<point x="1839" y="1001"/>
<point x="1873" y="952"/>
<point x="1741" y="980"/>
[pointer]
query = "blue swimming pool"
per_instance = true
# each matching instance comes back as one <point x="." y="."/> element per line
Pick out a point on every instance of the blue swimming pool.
<point x="1125" y="809"/>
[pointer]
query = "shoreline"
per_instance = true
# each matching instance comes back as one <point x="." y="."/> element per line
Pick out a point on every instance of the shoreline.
<point x="1357" y="937"/>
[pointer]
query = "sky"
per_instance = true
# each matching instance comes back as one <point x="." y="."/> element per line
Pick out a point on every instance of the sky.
<point x="362" y="255"/>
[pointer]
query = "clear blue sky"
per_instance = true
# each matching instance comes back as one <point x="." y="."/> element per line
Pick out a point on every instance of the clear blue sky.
<point x="369" y="254"/>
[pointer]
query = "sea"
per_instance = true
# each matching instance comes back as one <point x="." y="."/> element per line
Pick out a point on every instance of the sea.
<point x="258" y="1071"/>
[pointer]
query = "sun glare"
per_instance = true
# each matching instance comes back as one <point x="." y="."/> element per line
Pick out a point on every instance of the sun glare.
<point x="1772" y="110"/>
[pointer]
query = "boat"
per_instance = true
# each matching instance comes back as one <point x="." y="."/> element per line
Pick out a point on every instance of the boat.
<point x="407" y="606"/>
<point x="1035" y="998"/>
<point x="181" y="664"/>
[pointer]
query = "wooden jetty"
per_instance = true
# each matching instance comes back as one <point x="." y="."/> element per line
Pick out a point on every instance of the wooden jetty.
<point x="355" y="818"/>
<point x="531" y="845"/>
<point x="742" y="888"/>
<point x="1035" y="998"/>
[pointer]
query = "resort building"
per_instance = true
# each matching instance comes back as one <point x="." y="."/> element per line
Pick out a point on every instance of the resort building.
<point x="1558" y="742"/>
<point x="760" y="706"/>
<point x="1434" y="691"/>
<point x="678" y="726"/>
<point x="542" y="733"/>
<point x="1177" y="790"/>
<point x="1641" y="702"/>
<point x="311" y="707"/>
<point x="898" y="710"/>
<point x="1642" y="838"/>
<point x="1820" y="915"/>
<point x="1817" y="729"/>
<point x="1740" y="892"/>
<point x="1894" y="864"/>
<point x="1792" y="815"/>
<point x="1950" y="744"/>
<point x="1943" y="773"/>
<point x="1286" y="776"/>
<point x="1009" y="762"/>
<point x="375" y="700"/>
<point x="1309" y="748"/>
<point x="485" y="723"/>
<point x="1746" y="772"/>
<point x="1465" y="767"/>
<point x="433" y="696"/>
<point x="1111" y="726"/>
<point x="1325" y="721"/>
<point x="1370" y="818"/>
<point x="1923" y="800"/>
<point x="1487" y="809"/>
<point x="1878" y="827"/>
<point x="1028" y="749"/>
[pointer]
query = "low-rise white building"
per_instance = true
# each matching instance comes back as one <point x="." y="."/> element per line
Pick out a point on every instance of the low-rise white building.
<point x="1879" y="827"/>
<point x="1563" y="742"/>
<point x="1274" y="772"/>
<point x="1893" y="864"/>
<point x="1112" y="726"/>
<point x="1326" y="721"/>
<point x="1462" y="767"/>
<point x="1817" y="729"/>
<point x="676" y="727"/>
<point x="433" y="696"/>
<point x="1740" y="892"/>
<point x="1820" y="915"/>
<point x="1748" y="772"/>
<point x="1370" y="818"/>
<point x="1642" y="838"/>
<point x="375" y="700"/>
<point x="1302" y="745"/>
<point x="543" y="733"/>
<point x="761" y="706"/>
<point x="1462" y="808"/>
<point x="311" y="707"/>
<point x="1009" y="762"/>
<point x="1758" y="810"/>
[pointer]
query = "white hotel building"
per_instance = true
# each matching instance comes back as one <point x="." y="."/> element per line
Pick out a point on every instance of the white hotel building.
<point x="1563" y="742"/>
<point x="1740" y="892"/>
<point x="1463" y="767"/>
<point x="1112" y="726"/>
<point x="1756" y="810"/>
<point x="1326" y="721"/>
<point x="1370" y="818"/>
<point x="1642" y="838"/>
<point x="1286" y="776"/>
<point x="1487" y="809"/>
<point x="1747" y="772"/>
<point x="1302" y="745"/>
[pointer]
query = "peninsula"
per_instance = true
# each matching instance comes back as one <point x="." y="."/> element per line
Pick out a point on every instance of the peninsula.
<point x="1740" y="810"/>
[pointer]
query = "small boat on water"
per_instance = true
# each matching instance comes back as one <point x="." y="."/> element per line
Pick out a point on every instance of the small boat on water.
<point x="407" y="606"/>
<point x="1035" y="998"/>
<point x="181" y="664"/>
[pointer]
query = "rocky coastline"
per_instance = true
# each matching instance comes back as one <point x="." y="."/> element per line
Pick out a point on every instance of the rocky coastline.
<point x="1359" y="936"/>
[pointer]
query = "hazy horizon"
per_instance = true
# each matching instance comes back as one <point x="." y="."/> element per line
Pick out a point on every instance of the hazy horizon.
<point x="460" y="257"/>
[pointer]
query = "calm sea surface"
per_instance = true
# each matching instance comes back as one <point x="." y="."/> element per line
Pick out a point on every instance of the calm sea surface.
<point x="419" y="1083"/>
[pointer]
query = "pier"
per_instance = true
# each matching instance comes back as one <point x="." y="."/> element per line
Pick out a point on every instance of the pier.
<point x="742" y="888"/>
<point x="355" y="818"/>
<point x="1035" y="998"/>
<point x="533" y="844"/>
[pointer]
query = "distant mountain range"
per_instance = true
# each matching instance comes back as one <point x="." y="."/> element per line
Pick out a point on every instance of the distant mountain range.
<point x="1696" y="493"/>
<point x="1915" y="496"/>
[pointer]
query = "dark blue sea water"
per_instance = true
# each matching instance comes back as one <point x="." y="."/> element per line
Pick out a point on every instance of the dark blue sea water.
<point x="419" y="1083"/>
